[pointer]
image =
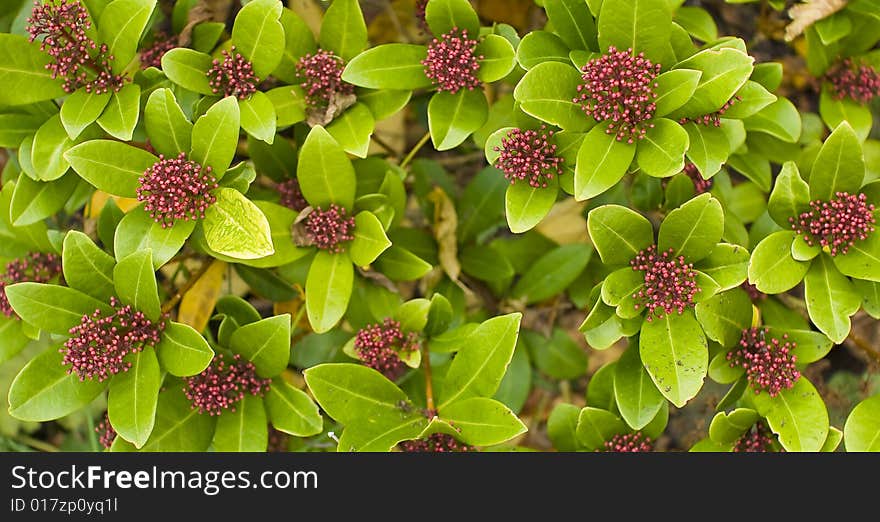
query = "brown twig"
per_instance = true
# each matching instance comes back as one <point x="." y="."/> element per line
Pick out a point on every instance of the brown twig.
<point x="429" y="385"/>
<point x="864" y="346"/>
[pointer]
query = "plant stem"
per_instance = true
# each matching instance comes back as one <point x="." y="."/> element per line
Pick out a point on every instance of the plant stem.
<point x="171" y="303"/>
<point x="36" y="444"/>
<point x="429" y="384"/>
<point x="415" y="149"/>
<point x="863" y="345"/>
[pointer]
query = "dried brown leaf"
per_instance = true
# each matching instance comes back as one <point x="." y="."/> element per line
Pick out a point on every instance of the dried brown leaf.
<point x="444" y="227"/>
<point x="565" y="224"/>
<point x="806" y="14"/>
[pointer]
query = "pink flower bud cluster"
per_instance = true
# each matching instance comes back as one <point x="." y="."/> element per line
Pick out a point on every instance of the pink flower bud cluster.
<point x="98" y="345"/>
<point x="757" y="439"/>
<point x="321" y="78"/>
<point x="435" y="443"/>
<point x="769" y="363"/>
<point x="700" y="185"/>
<point x="106" y="432"/>
<point x="752" y="290"/>
<point x="291" y="195"/>
<point x="836" y="225"/>
<point x="222" y="384"/>
<point x="451" y="63"/>
<point x="176" y="189"/>
<point x="152" y="55"/>
<point x="36" y="267"/>
<point x="670" y="282"/>
<point x="629" y="443"/>
<point x="233" y="76"/>
<point x="329" y="229"/>
<point x="713" y="119"/>
<point x="529" y="155"/>
<point x="619" y="89"/>
<point x="379" y="346"/>
<point x="76" y="58"/>
<point x="860" y="82"/>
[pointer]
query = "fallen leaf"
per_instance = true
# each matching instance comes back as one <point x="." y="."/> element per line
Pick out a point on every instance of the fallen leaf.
<point x="204" y="11"/>
<point x="806" y="14"/>
<point x="197" y="305"/>
<point x="444" y="227"/>
<point x="310" y="12"/>
<point x="565" y="224"/>
<point x="336" y="106"/>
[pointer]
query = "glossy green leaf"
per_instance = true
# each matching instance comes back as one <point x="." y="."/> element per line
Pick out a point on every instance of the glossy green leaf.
<point x="454" y="117"/>
<point x="52" y="308"/>
<point x="724" y="316"/>
<point x="81" y="109"/>
<point x="790" y="196"/>
<point x="834" y="112"/>
<point x="120" y="26"/>
<point x="727" y="265"/>
<point x="559" y="356"/>
<point x="674" y="352"/>
<point x="595" y="426"/>
<point x="135" y="283"/>
<point x="674" y="89"/>
<point x="797" y="416"/>
<point x="693" y="229"/>
<point x="188" y="69"/>
<point x="552" y="273"/>
<point x="538" y="47"/>
<point x="772" y="268"/>
<point x="243" y="428"/>
<point x="840" y="165"/>
<point x="215" y="136"/>
<point x="482" y="422"/>
<point x="752" y="97"/>
<point x="328" y="290"/>
<point x="862" y="429"/>
<point x="484" y="263"/>
<point x="780" y="119"/>
<point x="23" y="72"/>
<point x="292" y="411"/>
<point x="637" y="397"/>
<point x="182" y="350"/>
<point x="324" y="171"/>
<point x="258" y="116"/>
<point x="724" y="72"/>
<point x="601" y="163"/>
<point x="134" y="394"/>
<point x="525" y="206"/>
<point x="546" y="92"/>
<point x="641" y="25"/>
<point x="369" y="239"/>
<point x="138" y="231"/>
<point x="87" y="268"/>
<point x="258" y="35"/>
<point x="265" y="343"/>
<point x="573" y="23"/>
<point x="399" y="264"/>
<point x="235" y="227"/>
<point x="708" y="148"/>
<point x="389" y="66"/>
<point x="831" y="299"/>
<point x="343" y="30"/>
<point x="34" y="201"/>
<point x="444" y="15"/>
<point x="122" y="113"/>
<point x="498" y="58"/>
<point x="661" y="152"/>
<point x="111" y="166"/>
<point x="352" y="130"/>
<point x="727" y="428"/>
<point x="50" y="144"/>
<point x="562" y="427"/>
<point x="166" y="125"/>
<point x="179" y="427"/>
<point x="618" y="233"/>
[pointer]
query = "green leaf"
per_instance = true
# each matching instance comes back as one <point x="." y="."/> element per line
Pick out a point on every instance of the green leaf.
<point x="790" y="195"/>
<point x="797" y="416"/>
<point x="772" y="268"/>
<point x="708" y="148"/>
<point x="179" y="426"/>
<point x="498" y="58"/>
<point x="352" y="392"/>
<point x="831" y="299"/>
<point x="834" y="112"/>
<point x="481" y="206"/>
<point x="573" y="23"/>
<point x="780" y="119"/>
<point x="121" y="115"/>
<point x="135" y="283"/>
<point x="47" y="154"/>
<point x="343" y="30"/>
<point x="601" y="163"/>
<point x="53" y="308"/>
<point x="352" y="130"/>
<point x="478" y="368"/>
<point x="215" y="136"/>
<point x="111" y="166"/>
<point x="619" y="289"/>
<point x="525" y="206"/>
<point x="641" y="25"/>
<point x="674" y="89"/>
<point x="138" y="231"/>
<point x="753" y="97"/>
<point x="34" y="201"/>
<point x="727" y="428"/>
<point x="559" y="357"/>
<point x="637" y="398"/>
<point x="166" y="125"/>
<point x="538" y="47"/>
<point x="727" y="265"/>
<point x="292" y="411"/>
<point x="618" y="233"/>
<point x="384" y="103"/>
<point x="369" y="239"/>
<point x="298" y="42"/>
<point x="862" y="260"/>
<point x="81" y="109"/>
<point x="265" y="343"/>
<point x="328" y="289"/>
<point x="444" y="15"/>
<point x="552" y="273"/>
<point x="120" y="26"/>
<point x="724" y="316"/>
<point x="697" y="22"/>
<point x="258" y="35"/>
<point x="235" y="227"/>
<point x="661" y="153"/>
<point x="811" y="346"/>
<point x="183" y="351"/>
<point x="44" y="391"/>
<point x="189" y="69"/>
<point x="547" y="92"/>
<point x="399" y="264"/>
<point x="562" y="427"/>
<point x="258" y="116"/>
<point x="244" y="427"/>
<point x="724" y="72"/>
<point x="596" y="426"/>
<point x="454" y="117"/>
<point x="131" y="404"/>
<point x="324" y="171"/>
<point x="23" y="72"/>
<point x="693" y="229"/>
<point x="862" y="429"/>
<point x="15" y="128"/>
<point x="840" y="165"/>
<point x="389" y="66"/>
<point x="87" y="268"/>
<point x="675" y="354"/>
<point x="12" y="339"/>
<point x="484" y="263"/>
<point x="482" y="422"/>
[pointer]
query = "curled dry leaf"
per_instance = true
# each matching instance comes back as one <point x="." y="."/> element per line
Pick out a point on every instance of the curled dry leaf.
<point x="445" y="225"/>
<point x="197" y="304"/>
<point x="565" y="224"/>
<point x="806" y="14"/>
<point x="336" y="106"/>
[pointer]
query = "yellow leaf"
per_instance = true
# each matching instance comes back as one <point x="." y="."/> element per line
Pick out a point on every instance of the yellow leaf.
<point x="310" y="12"/>
<point x="806" y="14"/>
<point x="198" y="302"/>
<point x="126" y="204"/>
<point x="565" y="224"/>
<point x="445" y="225"/>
